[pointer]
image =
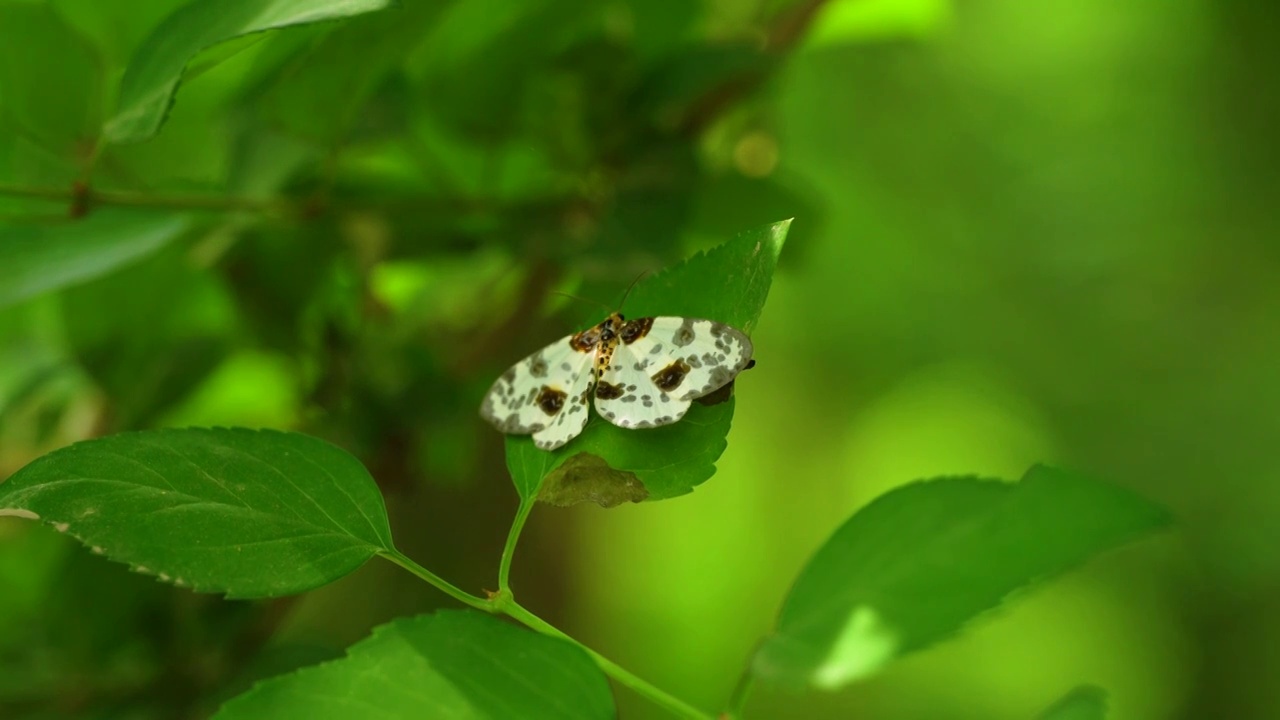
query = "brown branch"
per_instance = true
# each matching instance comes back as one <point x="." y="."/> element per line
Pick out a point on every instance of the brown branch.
<point x="782" y="37"/>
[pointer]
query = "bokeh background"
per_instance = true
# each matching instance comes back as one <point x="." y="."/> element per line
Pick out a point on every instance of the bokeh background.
<point x="1023" y="232"/>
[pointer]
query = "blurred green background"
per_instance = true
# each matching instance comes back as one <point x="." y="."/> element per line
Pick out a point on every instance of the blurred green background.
<point x="1023" y="231"/>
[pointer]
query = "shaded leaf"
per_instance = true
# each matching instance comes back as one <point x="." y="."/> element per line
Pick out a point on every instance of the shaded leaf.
<point x="919" y="562"/>
<point x="1086" y="702"/>
<point x="243" y="512"/>
<point x="507" y="43"/>
<point x="729" y="283"/>
<point x="189" y="323"/>
<point x="320" y="96"/>
<point x="150" y="81"/>
<point x="50" y="80"/>
<point x="39" y="258"/>
<point x="449" y="664"/>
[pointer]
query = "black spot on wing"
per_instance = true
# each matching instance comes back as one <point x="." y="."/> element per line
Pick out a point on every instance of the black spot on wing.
<point x="550" y="400"/>
<point x="635" y="329"/>
<point x="670" y="377"/>
<point x="608" y="391"/>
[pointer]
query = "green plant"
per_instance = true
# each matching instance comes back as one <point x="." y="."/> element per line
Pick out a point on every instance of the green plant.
<point x="255" y="514"/>
<point x="362" y="121"/>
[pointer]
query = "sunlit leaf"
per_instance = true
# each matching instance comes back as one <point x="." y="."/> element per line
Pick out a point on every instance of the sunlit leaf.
<point x="1086" y="702"/>
<point x="729" y="284"/>
<point x="39" y="258"/>
<point x="919" y="562"/>
<point x="452" y="664"/>
<point x="243" y="512"/>
<point x="149" y="83"/>
<point x="846" y="21"/>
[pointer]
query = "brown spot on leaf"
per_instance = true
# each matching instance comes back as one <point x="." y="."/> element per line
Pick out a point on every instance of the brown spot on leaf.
<point x="588" y="478"/>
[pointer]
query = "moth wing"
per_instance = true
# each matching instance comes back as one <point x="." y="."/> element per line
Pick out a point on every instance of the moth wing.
<point x="662" y="364"/>
<point x="545" y="395"/>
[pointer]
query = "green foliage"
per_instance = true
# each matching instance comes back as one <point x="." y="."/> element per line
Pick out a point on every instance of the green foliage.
<point x="241" y="512"/>
<point x="729" y="284"/>
<point x="59" y="109"/>
<point x="449" y="664"/>
<point x="350" y="228"/>
<point x="34" y="259"/>
<point x="152" y="78"/>
<point x="918" y="563"/>
<point x="1086" y="702"/>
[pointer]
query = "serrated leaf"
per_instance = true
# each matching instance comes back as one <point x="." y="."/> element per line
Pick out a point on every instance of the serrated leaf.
<point x="1086" y="702"/>
<point x="919" y="562"/>
<point x="39" y="258"/>
<point x="451" y="664"/>
<point x="729" y="283"/>
<point x="153" y="74"/>
<point x="249" y="513"/>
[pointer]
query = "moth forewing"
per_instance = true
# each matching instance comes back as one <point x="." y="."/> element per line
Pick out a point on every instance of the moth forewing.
<point x="546" y="394"/>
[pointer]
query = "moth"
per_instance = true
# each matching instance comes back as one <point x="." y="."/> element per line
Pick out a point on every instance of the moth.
<point x="642" y="373"/>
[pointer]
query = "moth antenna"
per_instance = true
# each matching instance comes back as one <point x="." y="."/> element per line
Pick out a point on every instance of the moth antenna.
<point x="581" y="299"/>
<point x="631" y="287"/>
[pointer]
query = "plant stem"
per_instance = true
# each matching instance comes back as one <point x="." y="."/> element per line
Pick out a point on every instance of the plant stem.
<point x="674" y="704"/>
<point x="132" y="199"/>
<point x="742" y="690"/>
<point x="513" y="537"/>
<point x="440" y="583"/>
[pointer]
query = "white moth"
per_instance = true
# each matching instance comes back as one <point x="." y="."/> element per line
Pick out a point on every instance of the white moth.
<point x="643" y="373"/>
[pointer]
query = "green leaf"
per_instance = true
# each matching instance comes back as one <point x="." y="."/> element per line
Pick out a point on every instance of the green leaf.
<point x="729" y="283"/>
<point x="868" y="20"/>
<point x="149" y="334"/>
<point x="528" y="465"/>
<point x="321" y="94"/>
<point x="50" y="80"/>
<point x="39" y="258"/>
<point x="244" y="512"/>
<point x="1086" y="702"/>
<point x="451" y="664"/>
<point x="151" y="80"/>
<point x="919" y="562"/>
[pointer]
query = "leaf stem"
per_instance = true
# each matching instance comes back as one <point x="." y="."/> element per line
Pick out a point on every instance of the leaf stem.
<point x="742" y="690"/>
<point x="674" y="704"/>
<point x="440" y="583"/>
<point x="513" y="537"/>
